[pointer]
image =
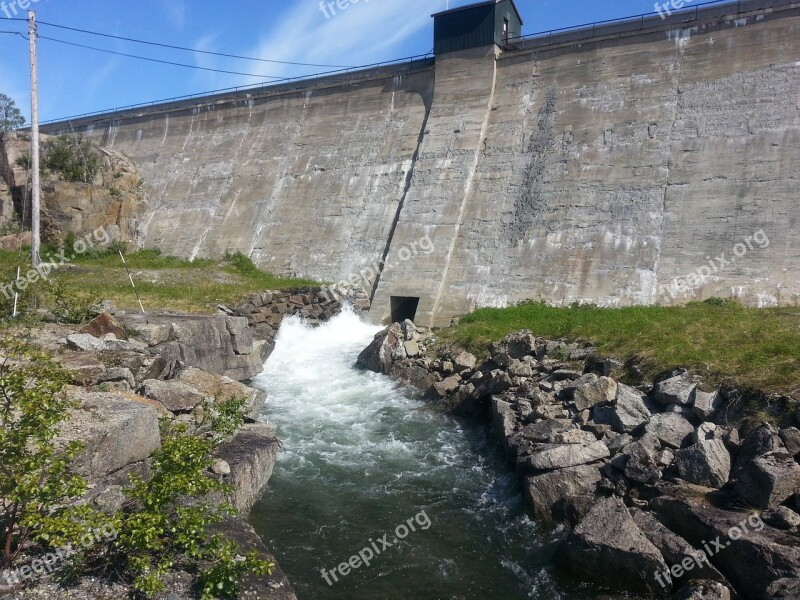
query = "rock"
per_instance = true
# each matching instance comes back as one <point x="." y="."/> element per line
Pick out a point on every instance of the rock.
<point x="675" y="390"/>
<point x="503" y="421"/>
<point x="116" y="433"/>
<point x="496" y="382"/>
<point x="706" y="404"/>
<point x="549" y="457"/>
<point x="443" y="388"/>
<point x="671" y="429"/>
<point x="251" y="457"/>
<point x="377" y="357"/>
<point x="117" y="374"/>
<point x="408" y="373"/>
<point x="543" y="431"/>
<point x="463" y="361"/>
<point x="768" y="480"/>
<point x="764" y="439"/>
<point x="781" y="517"/>
<point x="220" y="467"/>
<point x="791" y="440"/>
<point x="519" y="368"/>
<point x="175" y="395"/>
<point x="703" y="590"/>
<point x="784" y="589"/>
<point x="223" y="389"/>
<point x="83" y="342"/>
<point x="665" y="457"/>
<point x="601" y="391"/>
<point x="84" y="368"/>
<point x="705" y="463"/>
<point x="514" y="346"/>
<point x="412" y="348"/>
<point x="103" y="324"/>
<point x="752" y="556"/>
<point x="675" y="550"/>
<point x="547" y="494"/>
<point x="573" y="436"/>
<point x="641" y="465"/>
<point x="607" y="547"/>
<point x="630" y="410"/>
<point x="618" y="442"/>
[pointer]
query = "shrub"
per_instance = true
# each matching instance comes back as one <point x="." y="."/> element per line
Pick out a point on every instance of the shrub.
<point x="70" y="305"/>
<point x="74" y="158"/>
<point x="35" y="479"/>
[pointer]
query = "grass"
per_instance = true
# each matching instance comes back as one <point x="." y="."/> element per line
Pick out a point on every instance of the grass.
<point x="163" y="282"/>
<point x="723" y="340"/>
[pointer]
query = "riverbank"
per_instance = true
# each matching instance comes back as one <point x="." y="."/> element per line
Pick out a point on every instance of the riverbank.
<point x="644" y="472"/>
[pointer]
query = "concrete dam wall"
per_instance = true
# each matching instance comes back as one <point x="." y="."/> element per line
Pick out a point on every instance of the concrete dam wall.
<point x="652" y="162"/>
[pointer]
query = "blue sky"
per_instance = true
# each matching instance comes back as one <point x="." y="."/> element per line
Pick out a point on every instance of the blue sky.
<point x="75" y="80"/>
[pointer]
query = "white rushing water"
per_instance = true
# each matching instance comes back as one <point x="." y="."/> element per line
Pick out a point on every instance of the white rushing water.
<point x="361" y="457"/>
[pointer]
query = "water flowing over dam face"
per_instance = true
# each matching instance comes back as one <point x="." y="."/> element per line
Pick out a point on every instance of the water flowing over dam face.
<point x="362" y="458"/>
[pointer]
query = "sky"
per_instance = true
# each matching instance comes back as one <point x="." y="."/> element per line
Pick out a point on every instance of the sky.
<point x="76" y="80"/>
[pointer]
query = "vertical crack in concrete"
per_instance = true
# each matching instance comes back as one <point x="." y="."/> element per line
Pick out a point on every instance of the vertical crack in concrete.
<point x="407" y="187"/>
<point x="479" y="149"/>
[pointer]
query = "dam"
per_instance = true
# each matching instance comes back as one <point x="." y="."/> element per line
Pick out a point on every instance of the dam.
<point x="651" y="160"/>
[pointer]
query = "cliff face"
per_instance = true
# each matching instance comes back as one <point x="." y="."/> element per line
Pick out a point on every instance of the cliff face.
<point x="650" y="164"/>
<point x="113" y="199"/>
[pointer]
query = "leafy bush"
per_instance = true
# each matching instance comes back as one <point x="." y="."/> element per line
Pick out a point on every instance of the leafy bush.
<point x="241" y="263"/>
<point x="70" y="305"/>
<point x="73" y="157"/>
<point x="35" y="479"/>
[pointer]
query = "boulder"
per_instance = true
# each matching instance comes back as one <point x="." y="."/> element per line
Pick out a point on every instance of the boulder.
<point x="504" y="420"/>
<point x="675" y="550"/>
<point x="671" y="429"/>
<point x="443" y="388"/>
<point x="84" y="368"/>
<point x="175" y="395"/>
<point x="705" y="463"/>
<point x="752" y="557"/>
<point x="222" y="389"/>
<point x="642" y="464"/>
<point x="703" y="590"/>
<point x="679" y="389"/>
<point x="116" y="432"/>
<point x="118" y="375"/>
<point x="250" y="456"/>
<point x="548" y="457"/>
<point x="85" y="342"/>
<point x="588" y="394"/>
<point x="463" y="361"/>
<point x="103" y="324"/>
<point x="791" y="440"/>
<point x="768" y="480"/>
<point x="543" y="431"/>
<point x="787" y="588"/>
<point x="706" y="404"/>
<point x="630" y="410"/>
<point x="514" y="346"/>
<point x="607" y="547"/>
<point x="549" y="493"/>
<point x="781" y="517"/>
<point x="377" y="357"/>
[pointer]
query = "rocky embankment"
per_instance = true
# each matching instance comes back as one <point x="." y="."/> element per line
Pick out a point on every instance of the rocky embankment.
<point x="129" y="372"/>
<point x="665" y="489"/>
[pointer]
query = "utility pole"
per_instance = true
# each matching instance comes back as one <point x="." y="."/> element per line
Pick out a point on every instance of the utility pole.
<point x="36" y="184"/>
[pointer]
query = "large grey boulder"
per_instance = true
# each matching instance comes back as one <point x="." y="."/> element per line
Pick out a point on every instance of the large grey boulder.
<point x="463" y="361"/>
<point x="707" y="462"/>
<point x="549" y="494"/>
<point x="642" y="463"/>
<point x="378" y="357"/>
<point x="707" y="404"/>
<point x="514" y="346"/>
<point x="222" y="389"/>
<point x="601" y="391"/>
<point x="768" y="480"/>
<point x="250" y="456"/>
<point x="174" y="395"/>
<point x="548" y="457"/>
<point x="703" y="590"/>
<point x="679" y="389"/>
<point x="781" y="517"/>
<point x="116" y="432"/>
<point x="752" y="556"/>
<point x="607" y="547"/>
<point x="672" y="429"/>
<point x="630" y="410"/>
<point x="504" y="422"/>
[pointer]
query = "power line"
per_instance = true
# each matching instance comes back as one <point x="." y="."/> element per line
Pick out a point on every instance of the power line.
<point x="156" y="60"/>
<point x="182" y="48"/>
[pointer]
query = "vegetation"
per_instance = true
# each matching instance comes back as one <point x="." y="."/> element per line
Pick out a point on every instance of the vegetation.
<point x="10" y="115"/>
<point x="73" y="157"/>
<point x="756" y="348"/>
<point x="164" y="523"/>
<point x="163" y="282"/>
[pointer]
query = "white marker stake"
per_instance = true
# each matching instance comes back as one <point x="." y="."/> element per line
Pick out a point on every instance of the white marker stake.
<point x="134" y="287"/>
<point x="16" y="294"/>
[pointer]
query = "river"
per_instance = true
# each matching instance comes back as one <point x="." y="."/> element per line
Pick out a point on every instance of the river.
<point x="361" y="459"/>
